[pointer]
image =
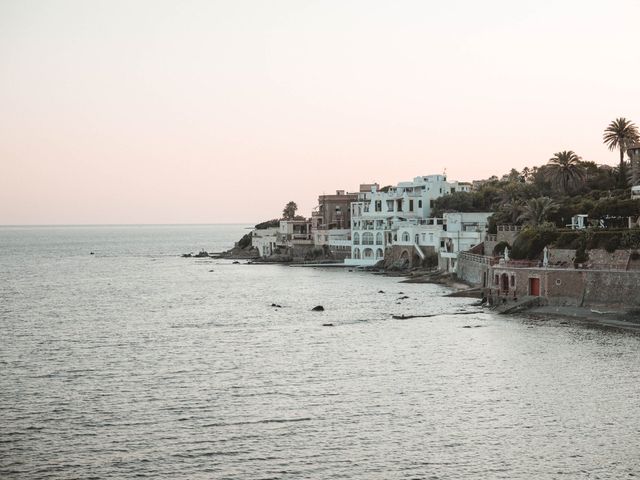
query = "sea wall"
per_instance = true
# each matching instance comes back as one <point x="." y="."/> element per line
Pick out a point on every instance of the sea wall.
<point x="473" y="268"/>
<point x="566" y="287"/>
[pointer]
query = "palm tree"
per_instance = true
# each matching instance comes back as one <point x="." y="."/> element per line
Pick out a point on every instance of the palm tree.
<point x="565" y="172"/>
<point x="536" y="210"/>
<point x="621" y="134"/>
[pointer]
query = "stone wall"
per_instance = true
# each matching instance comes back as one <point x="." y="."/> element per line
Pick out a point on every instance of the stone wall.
<point x="587" y="288"/>
<point x="394" y="255"/>
<point x="471" y="270"/>
<point x="616" y="289"/>
<point x="618" y="259"/>
<point x="561" y="256"/>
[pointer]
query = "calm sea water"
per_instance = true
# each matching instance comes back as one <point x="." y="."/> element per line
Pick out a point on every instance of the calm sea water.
<point x="134" y="362"/>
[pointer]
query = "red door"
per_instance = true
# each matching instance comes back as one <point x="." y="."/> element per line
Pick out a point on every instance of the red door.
<point x="534" y="287"/>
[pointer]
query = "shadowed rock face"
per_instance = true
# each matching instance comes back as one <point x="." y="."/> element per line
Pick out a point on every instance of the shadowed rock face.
<point x="318" y="308"/>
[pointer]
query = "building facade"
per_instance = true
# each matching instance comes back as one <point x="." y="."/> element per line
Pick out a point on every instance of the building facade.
<point x="400" y="215"/>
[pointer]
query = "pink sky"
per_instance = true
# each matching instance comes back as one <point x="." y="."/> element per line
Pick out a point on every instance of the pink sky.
<point x="222" y="111"/>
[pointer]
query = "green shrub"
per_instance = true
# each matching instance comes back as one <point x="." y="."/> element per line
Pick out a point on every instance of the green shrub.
<point x="611" y="244"/>
<point x="531" y="241"/>
<point x="567" y="240"/>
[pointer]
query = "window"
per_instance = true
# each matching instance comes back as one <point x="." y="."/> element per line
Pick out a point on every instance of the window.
<point x="411" y="205"/>
<point x="367" y="238"/>
<point x="378" y="206"/>
<point x="419" y="203"/>
<point x="405" y="236"/>
<point x="453" y="190"/>
<point x="432" y="203"/>
<point x="379" y="238"/>
<point x="513" y="281"/>
<point x="356" y="238"/>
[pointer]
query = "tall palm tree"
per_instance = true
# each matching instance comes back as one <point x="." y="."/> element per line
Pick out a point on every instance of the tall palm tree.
<point x="536" y="210"/>
<point x="565" y="172"/>
<point x="621" y="134"/>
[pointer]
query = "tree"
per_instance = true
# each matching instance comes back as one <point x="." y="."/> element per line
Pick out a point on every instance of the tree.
<point x="536" y="211"/>
<point x="565" y="172"/>
<point x="289" y="211"/>
<point x="621" y="134"/>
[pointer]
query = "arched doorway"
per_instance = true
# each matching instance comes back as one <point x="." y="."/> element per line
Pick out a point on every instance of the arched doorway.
<point x="504" y="282"/>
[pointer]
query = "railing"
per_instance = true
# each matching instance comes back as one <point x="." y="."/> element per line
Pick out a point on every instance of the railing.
<point x="473" y="257"/>
<point x="491" y="237"/>
<point x="509" y="228"/>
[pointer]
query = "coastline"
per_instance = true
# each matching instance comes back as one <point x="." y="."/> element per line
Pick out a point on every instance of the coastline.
<point x="559" y="315"/>
<point x="590" y="317"/>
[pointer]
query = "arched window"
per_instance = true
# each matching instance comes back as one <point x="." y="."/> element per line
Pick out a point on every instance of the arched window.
<point x="356" y="253"/>
<point x="367" y="238"/>
<point x="379" y="253"/>
<point x="368" y="253"/>
<point x="379" y="238"/>
<point x="356" y="238"/>
<point x="405" y="236"/>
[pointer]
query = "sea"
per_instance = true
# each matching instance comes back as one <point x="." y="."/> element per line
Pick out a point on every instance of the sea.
<point x="121" y="359"/>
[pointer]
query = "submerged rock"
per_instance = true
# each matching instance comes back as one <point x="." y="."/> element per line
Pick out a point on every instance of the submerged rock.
<point x="327" y="325"/>
<point x="276" y="305"/>
<point x="318" y="308"/>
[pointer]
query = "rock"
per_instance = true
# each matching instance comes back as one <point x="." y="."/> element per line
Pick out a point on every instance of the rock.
<point x="210" y="271"/>
<point x="380" y="291"/>
<point x="467" y="326"/>
<point x="186" y="255"/>
<point x="403" y="298"/>
<point x="92" y="253"/>
<point x="327" y="325"/>
<point x="276" y="305"/>
<point x="318" y="308"/>
<point x="236" y="263"/>
<point x="400" y="293"/>
<point x="350" y="270"/>
<point x="202" y="254"/>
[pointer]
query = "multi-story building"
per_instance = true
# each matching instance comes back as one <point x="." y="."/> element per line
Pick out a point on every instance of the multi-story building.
<point x="331" y="223"/>
<point x="376" y="214"/>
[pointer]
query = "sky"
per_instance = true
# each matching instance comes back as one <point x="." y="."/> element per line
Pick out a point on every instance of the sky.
<point x="187" y="111"/>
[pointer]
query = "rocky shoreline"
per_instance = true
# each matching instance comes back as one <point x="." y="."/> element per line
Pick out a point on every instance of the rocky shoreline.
<point x="562" y="315"/>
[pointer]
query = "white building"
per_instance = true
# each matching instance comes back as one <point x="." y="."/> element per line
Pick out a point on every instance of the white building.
<point x="265" y="240"/>
<point x="378" y="214"/>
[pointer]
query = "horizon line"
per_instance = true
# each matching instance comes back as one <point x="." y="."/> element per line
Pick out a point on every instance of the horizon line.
<point x="118" y="224"/>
